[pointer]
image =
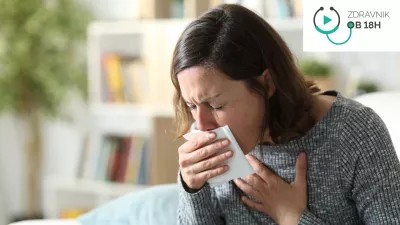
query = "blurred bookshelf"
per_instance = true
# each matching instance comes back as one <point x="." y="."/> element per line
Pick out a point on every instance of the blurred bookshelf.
<point x="130" y="140"/>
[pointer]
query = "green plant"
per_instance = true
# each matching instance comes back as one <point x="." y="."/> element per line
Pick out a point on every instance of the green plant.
<point x="39" y="68"/>
<point x="367" y="87"/>
<point x="312" y="67"/>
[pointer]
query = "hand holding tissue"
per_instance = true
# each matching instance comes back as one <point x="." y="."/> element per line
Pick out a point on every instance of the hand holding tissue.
<point x="238" y="164"/>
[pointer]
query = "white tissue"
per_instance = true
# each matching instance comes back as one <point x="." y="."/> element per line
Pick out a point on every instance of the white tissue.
<point x="238" y="164"/>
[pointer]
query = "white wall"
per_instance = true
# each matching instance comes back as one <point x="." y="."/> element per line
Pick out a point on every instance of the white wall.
<point x="10" y="165"/>
<point x="381" y="67"/>
<point x="61" y="146"/>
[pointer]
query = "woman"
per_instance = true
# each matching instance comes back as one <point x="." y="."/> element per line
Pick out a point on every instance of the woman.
<point x="319" y="158"/>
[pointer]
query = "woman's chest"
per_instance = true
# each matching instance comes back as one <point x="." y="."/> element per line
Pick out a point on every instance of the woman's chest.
<point x="328" y="196"/>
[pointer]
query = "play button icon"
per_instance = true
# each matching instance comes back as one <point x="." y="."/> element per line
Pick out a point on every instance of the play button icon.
<point x="327" y="20"/>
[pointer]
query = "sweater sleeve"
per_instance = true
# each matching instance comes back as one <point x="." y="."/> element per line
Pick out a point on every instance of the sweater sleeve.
<point x="307" y="218"/>
<point x="198" y="208"/>
<point x="375" y="175"/>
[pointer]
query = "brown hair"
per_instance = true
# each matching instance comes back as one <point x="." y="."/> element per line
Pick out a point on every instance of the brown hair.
<point x="238" y="42"/>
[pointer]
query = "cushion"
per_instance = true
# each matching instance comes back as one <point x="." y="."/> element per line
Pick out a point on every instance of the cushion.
<point x="152" y="206"/>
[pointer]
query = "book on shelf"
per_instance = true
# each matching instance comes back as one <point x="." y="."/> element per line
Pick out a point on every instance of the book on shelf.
<point x="121" y="159"/>
<point x="124" y="79"/>
<point x="73" y="213"/>
<point x="84" y="154"/>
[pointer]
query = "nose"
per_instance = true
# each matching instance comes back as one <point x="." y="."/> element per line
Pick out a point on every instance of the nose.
<point x="205" y="120"/>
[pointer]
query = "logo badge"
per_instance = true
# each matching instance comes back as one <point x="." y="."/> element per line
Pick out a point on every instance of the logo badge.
<point x="350" y="26"/>
<point x="327" y="20"/>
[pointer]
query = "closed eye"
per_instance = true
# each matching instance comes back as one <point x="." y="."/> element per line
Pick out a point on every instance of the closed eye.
<point x="219" y="107"/>
<point x="216" y="107"/>
<point x="191" y="106"/>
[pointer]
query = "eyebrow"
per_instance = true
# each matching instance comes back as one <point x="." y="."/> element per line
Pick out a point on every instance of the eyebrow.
<point x="206" y="99"/>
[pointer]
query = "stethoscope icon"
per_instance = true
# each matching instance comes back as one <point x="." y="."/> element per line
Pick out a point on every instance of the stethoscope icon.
<point x="334" y="29"/>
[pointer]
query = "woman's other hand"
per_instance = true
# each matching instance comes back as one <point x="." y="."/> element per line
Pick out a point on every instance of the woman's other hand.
<point x="199" y="161"/>
<point x="284" y="202"/>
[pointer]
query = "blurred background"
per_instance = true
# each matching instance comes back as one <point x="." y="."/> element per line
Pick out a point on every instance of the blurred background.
<point x="86" y="98"/>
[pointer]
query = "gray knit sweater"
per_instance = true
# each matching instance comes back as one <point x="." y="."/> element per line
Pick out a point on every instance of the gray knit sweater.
<point x="353" y="175"/>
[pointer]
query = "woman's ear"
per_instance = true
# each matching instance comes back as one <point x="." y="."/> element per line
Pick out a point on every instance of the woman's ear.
<point x="266" y="79"/>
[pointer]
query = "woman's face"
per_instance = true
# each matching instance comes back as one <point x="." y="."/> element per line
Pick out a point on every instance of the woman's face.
<point x="215" y="100"/>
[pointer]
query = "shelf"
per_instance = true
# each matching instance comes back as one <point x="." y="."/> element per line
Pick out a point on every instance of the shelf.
<point x="131" y="27"/>
<point x="291" y="24"/>
<point x="63" y="193"/>
<point x="140" y="26"/>
<point x="126" y="119"/>
<point x="91" y="187"/>
<point x="131" y="109"/>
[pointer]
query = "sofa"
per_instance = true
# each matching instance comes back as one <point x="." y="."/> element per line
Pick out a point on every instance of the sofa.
<point x="157" y="205"/>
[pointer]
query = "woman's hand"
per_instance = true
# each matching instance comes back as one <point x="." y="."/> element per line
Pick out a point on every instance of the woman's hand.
<point x="199" y="161"/>
<point x="284" y="202"/>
